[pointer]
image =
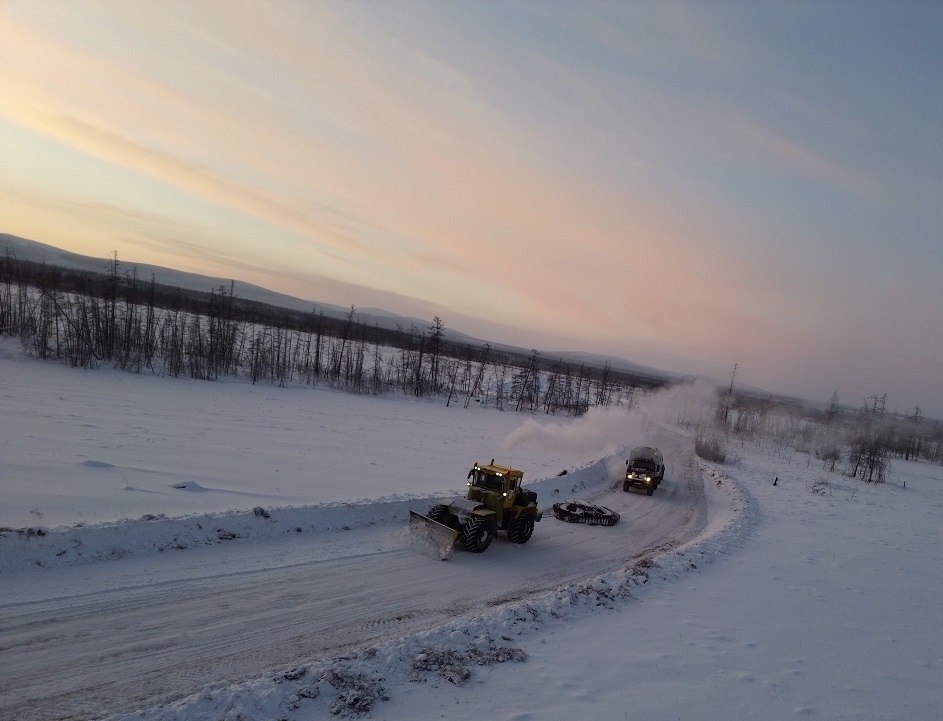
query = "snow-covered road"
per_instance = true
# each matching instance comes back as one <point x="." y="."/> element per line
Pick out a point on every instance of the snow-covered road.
<point x="216" y="616"/>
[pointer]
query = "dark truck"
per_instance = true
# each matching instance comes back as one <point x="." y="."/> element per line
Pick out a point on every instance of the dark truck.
<point x="644" y="469"/>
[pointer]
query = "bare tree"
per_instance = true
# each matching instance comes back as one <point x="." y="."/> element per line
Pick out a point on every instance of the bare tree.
<point x="436" y="333"/>
<point x="475" y="387"/>
<point x="914" y="441"/>
<point x="525" y="384"/>
<point x="870" y="447"/>
<point x="727" y="399"/>
<point x="831" y="413"/>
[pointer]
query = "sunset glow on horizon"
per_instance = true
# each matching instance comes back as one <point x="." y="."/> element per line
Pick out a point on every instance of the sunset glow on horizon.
<point x="687" y="185"/>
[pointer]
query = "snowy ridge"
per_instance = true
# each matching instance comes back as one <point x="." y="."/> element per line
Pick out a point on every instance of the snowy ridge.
<point x="352" y="685"/>
<point x="46" y="548"/>
<point x="41" y="547"/>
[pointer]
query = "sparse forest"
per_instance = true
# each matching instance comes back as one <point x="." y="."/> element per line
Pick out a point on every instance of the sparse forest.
<point x="859" y="441"/>
<point x="111" y="318"/>
<point x="141" y="326"/>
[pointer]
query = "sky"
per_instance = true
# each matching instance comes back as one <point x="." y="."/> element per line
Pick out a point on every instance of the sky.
<point x="687" y="185"/>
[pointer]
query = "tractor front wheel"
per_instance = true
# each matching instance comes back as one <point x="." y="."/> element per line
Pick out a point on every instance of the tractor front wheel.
<point x="477" y="534"/>
<point x="441" y="514"/>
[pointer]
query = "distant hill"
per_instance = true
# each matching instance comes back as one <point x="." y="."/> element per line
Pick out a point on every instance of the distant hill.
<point x="31" y="250"/>
<point x="24" y="249"/>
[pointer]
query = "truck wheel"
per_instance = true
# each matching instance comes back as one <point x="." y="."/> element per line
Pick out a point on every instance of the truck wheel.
<point x="477" y="535"/>
<point x="521" y="529"/>
<point x="649" y="491"/>
<point x="625" y="486"/>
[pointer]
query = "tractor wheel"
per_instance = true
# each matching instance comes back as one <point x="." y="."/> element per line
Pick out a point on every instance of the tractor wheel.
<point x="440" y="514"/>
<point x="477" y="534"/>
<point x="521" y="529"/>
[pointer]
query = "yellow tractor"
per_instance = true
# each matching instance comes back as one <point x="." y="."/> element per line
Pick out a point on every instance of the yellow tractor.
<point x="495" y="501"/>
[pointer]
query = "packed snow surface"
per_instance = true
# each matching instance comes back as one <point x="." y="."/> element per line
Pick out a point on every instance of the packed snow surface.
<point x="176" y="549"/>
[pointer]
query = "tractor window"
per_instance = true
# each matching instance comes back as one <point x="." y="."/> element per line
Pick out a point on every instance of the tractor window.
<point x="492" y="483"/>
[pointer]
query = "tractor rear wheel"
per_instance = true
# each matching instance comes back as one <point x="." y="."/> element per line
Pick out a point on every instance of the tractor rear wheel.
<point x="521" y="529"/>
<point x="477" y="534"/>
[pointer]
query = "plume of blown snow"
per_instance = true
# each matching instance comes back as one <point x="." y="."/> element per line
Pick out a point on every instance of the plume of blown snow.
<point x="691" y="405"/>
<point x="604" y="431"/>
<point x="599" y="432"/>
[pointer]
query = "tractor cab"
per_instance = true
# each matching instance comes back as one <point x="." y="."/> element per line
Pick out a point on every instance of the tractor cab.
<point x="494" y="485"/>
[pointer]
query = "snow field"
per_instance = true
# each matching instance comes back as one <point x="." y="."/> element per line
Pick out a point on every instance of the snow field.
<point x="814" y="598"/>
